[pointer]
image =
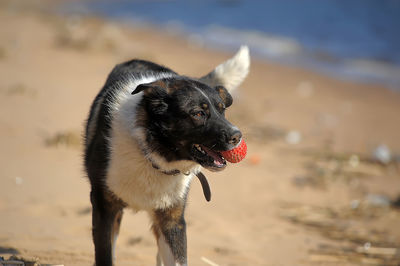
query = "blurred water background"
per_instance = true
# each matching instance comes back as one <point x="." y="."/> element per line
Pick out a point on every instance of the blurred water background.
<point x="348" y="39"/>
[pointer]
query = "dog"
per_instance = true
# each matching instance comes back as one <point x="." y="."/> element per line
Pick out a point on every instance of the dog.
<point x="149" y="132"/>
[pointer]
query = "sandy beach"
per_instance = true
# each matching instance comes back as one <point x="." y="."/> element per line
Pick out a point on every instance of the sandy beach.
<point x="310" y="191"/>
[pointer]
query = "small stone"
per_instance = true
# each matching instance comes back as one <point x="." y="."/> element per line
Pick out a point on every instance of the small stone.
<point x="354" y="204"/>
<point x="354" y="160"/>
<point x="293" y="137"/>
<point x="377" y="200"/>
<point x="382" y="154"/>
<point x="18" y="180"/>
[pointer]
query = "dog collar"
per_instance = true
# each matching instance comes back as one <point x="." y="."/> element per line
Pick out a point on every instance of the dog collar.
<point x="156" y="166"/>
<point x="169" y="172"/>
<point x="202" y="178"/>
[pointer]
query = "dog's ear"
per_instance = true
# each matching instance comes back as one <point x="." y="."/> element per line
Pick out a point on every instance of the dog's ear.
<point x="225" y="95"/>
<point x="154" y="96"/>
<point x="231" y="73"/>
<point x="147" y="88"/>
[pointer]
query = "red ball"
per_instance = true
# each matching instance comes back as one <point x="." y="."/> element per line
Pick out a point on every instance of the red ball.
<point x="237" y="154"/>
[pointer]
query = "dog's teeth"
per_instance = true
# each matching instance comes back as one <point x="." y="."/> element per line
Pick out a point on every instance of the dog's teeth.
<point x="198" y="147"/>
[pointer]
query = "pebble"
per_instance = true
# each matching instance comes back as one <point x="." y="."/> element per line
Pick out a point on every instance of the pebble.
<point x="19" y="180"/>
<point x="354" y="204"/>
<point x="293" y="137"/>
<point x="354" y="160"/>
<point x="377" y="200"/>
<point x="382" y="154"/>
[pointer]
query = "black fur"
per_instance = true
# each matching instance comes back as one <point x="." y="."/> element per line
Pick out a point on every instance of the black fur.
<point x="177" y="113"/>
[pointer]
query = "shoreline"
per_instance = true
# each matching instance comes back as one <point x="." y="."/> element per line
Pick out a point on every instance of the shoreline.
<point x="284" y="50"/>
<point x="189" y="39"/>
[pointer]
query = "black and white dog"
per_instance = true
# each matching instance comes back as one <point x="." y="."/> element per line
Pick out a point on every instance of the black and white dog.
<point x="149" y="133"/>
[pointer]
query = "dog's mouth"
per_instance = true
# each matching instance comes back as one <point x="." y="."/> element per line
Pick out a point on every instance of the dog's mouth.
<point x="208" y="158"/>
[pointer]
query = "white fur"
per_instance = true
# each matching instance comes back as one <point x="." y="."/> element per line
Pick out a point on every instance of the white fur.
<point x="131" y="176"/>
<point x="159" y="262"/>
<point x="165" y="256"/>
<point x="232" y="72"/>
<point x="114" y="244"/>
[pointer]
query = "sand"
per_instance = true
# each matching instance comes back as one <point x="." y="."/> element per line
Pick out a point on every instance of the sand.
<point x="308" y="193"/>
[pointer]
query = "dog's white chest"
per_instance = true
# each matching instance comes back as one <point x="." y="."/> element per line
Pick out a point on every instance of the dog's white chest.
<point x="131" y="177"/>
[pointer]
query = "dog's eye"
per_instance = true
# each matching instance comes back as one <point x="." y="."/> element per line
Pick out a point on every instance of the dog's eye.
<point x="199" y="114"/>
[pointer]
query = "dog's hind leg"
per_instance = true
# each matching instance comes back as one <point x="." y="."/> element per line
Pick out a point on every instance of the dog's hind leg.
<point x="106" y="220"/>
<point x="169" y="228"/>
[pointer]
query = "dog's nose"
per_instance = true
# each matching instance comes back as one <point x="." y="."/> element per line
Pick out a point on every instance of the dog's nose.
<point x="235" y="137"/>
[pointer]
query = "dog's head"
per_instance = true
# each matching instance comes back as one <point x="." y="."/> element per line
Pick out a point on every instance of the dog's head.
<point x="185" y="120"/>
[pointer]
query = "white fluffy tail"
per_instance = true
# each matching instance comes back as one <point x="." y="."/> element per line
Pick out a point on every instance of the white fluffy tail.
<point x="232" y="72"/>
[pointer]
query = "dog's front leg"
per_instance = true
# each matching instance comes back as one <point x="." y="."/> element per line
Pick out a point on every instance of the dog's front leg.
<point x="169" y="228"/>
<point x="106" y="220"/>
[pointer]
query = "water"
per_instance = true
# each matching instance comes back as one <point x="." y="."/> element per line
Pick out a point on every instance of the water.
<point x="349" y="39"/>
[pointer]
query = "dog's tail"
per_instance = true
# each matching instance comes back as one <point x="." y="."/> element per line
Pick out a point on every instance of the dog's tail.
<point x="231" y="73"/>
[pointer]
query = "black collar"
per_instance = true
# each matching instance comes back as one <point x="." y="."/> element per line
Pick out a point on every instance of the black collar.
<point x="167" y="172"/>
<point x="202" y="178"/>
